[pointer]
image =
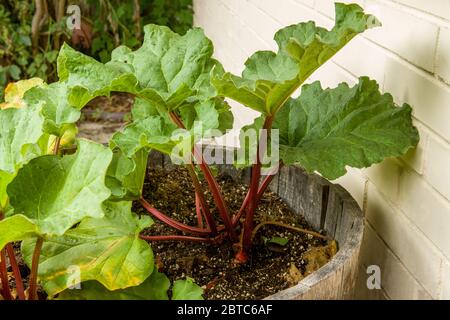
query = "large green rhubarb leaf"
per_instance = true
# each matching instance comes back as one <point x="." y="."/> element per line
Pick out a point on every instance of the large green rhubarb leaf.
<point x="107" y="250"/>
<point x="154" y="288"/>
<point x="326" y="130"/>
<point x="56" y="193"/>
<point x="177" y="67"/>
<point x="269" y="78"/>
<point x="20" y="133"/>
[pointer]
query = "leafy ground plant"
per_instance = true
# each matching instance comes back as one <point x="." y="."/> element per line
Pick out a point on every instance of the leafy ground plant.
<point x="72" y="209"/>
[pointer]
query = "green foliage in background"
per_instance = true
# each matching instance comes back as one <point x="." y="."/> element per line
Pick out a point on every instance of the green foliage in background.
<point x="114" y="22"/>
<point x="17" y="60"/>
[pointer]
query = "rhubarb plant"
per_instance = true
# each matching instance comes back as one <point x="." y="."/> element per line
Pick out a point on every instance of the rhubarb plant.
<point x="72" y="211"/>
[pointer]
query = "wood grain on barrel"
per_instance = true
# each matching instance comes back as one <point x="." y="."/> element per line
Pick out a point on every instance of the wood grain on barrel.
<point x="333" y="209"/>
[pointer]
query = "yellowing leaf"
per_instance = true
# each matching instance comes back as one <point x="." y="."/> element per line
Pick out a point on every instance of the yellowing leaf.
<point x="16" y="228"/>
<point x="15" y="91"/>
<point x="107" y="250"/>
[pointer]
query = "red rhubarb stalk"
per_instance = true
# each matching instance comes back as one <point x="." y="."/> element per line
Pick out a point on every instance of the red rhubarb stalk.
<point x="246" y="242"/>
<point x="243" y="255"/>
<point x="34" y="269"/>
<point x="16" y="271"/>
<point x="218" y="197"/>
<point x="265" y="183"/>
<point x="201" y="206"/>
<point x="6" y="290"/>
<point x="198" y="211"/>
<point x="175" y="238"/>
<point x="212" y="183"/>
<point x="171" y="222"/>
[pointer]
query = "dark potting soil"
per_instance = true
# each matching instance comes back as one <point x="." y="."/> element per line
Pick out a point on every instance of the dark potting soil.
<point x="274" y="266"/>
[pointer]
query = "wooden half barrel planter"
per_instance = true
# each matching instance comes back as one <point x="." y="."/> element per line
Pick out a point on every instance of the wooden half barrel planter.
<point x="326" y="206"/>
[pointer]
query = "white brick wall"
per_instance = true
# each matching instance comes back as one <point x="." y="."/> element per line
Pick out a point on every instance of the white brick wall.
<point x="443" y="57"/>
<point x="406" y="201"/>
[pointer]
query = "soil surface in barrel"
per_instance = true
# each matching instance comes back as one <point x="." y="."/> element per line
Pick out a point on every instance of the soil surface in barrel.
<point x="280" y="257"/>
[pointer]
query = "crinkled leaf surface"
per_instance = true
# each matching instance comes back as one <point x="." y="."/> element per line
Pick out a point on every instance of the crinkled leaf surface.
<point x="143" y="109"/>
<point x="326" y="130"/>
<point x="213" y="117"/>
<point x="126" y="176"/>
<point x="20" y="133"/>
<point x="107" y="250"/>
<point x="186" y="290"/>
<point x="57" y="193"/>
<point x="177" y="67"/>
<point x="154" y="288"/>
<point x="269" y="78"/>
<point x="169" y="71"/>
<point x="16" y="228"/>
<point x="88" y="78"/>
<point x="212" y="114"/>
<point x="82" y="78"/>
<point x="152" y="132"/>
<point x="59" y="113"/>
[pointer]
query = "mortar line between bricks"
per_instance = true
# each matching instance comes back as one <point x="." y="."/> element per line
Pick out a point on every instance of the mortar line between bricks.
<point x="344" y="69"/>
<point x="315" y="9"/>
<point x="430" y="76"/>
<point x="304" y="4"/>
<point x="432" y="131"/>
<point x="436" y="55"/>
<point x="365" y="195"/>
<point x="397" y="56"/>
<point x="249" y="28"/>
<point x="295" y="3"/>
<point x="240" y="48"/>
<point x="440" y="286"/>
<point x="419" y="13"/>
<point x="425" y="73"/>
<point x="395" y="206"/>
<point x="438" y="251"/>
<point x="398" y="258"/>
